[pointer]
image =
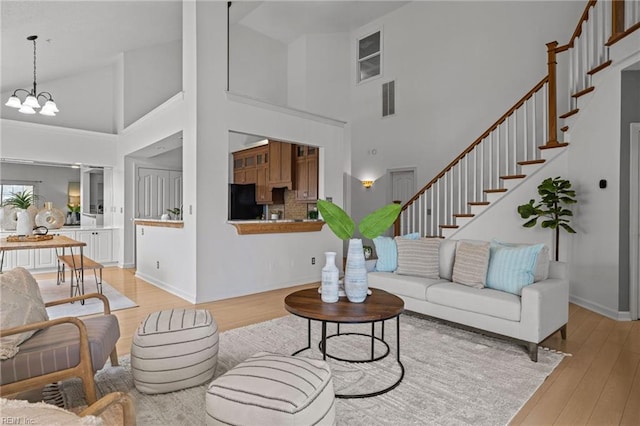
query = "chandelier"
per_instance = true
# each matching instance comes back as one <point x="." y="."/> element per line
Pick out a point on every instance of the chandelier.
<point x="30" y="104"/>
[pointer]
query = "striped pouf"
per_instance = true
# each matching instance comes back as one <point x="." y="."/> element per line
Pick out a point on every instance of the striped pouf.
<point x="270" y="389"/>
<point x="174" y="349"/>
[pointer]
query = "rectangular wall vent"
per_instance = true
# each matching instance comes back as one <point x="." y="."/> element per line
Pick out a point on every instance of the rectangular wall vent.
<point x="389" y="98"/>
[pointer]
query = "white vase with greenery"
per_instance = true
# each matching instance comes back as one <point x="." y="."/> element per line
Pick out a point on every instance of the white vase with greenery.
<point x="371" y="226"/>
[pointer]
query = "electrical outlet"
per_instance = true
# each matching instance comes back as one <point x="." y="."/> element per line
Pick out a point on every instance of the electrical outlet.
<point x="313" y="260"/>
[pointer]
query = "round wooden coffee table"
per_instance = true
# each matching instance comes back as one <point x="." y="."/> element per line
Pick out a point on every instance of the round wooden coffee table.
<point x="377" y="307"/>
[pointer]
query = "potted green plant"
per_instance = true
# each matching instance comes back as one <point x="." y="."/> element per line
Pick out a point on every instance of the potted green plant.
<point x="556" y="194"/>
<point x="74" y="212"/>
<point x="21" y="201"/>
<point x="176" y="212"/>
<point x="343" y="226"/>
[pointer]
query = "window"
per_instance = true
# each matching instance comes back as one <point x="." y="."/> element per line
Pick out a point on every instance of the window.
<point x="7" y="189"/>
<point x="369" y="54"/>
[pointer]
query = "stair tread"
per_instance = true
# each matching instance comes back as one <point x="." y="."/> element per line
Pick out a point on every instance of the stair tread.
<point x="557" y="145"/>
<point x="583" y="92"/>
<point x="449" y="226"/>
<point x="570" y="113"/>
<point x="492" y="191"/>
<point x="513" y="177"/>
<point x="463" y="215"/>
<point x="527" y="162"/>
<point x="478" y="203"/>
<point x="564" y="128"/>
<point x="600" y="67"/>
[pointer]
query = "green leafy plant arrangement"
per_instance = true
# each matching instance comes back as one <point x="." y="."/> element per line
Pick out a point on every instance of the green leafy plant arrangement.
<point x="73" y="209"/>
<point x="555" y="193"/>
<point x="371" y="226"/>
<point x="21" y="200"/>
<point x="176" y="212"/>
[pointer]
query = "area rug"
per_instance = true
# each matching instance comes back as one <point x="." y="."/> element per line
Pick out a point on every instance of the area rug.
<point x="51" y="291"/>
<point x="452" y="376"/>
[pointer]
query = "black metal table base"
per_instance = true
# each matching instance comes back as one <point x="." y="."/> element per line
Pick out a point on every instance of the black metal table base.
<point x="322" y="346"/>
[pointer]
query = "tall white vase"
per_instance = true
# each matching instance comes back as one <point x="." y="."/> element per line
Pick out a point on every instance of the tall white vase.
<point x="355" y="274"/>
<point x="330" y="278"/>
<point x="24" y="225"/>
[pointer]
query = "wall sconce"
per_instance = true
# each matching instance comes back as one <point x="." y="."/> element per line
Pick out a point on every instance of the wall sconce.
<point x="367" y="183"/>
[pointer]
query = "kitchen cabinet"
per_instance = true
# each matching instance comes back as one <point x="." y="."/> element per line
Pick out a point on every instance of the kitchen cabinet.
<point x="244" y="166"/>
<point x="306" y="173"/>
<point x="99" y="244"/>
<point x="99" y="248"/>
<point x="263" y="191"/>
<point x="281" y="165"/>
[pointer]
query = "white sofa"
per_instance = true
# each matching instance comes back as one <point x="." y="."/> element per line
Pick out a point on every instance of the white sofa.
<point x="540" y="311"/>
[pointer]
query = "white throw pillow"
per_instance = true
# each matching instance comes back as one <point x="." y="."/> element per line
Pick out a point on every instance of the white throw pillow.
<point x="20" y="304"/>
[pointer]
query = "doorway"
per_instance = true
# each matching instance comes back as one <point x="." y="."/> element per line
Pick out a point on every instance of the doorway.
<point x="634" y="223"/>
<point x="403" y="185"/>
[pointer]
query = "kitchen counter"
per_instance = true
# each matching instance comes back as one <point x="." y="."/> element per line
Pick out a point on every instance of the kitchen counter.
<point x="279" y="226"/>
<point x="160" y="223"/>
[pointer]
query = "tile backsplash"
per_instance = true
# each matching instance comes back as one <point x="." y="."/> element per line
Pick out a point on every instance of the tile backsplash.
<point x="291" y="208"/>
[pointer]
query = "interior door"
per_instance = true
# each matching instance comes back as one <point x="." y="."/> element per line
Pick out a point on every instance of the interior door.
<point x="403" y="185"/>
<point x="153" y="193"/>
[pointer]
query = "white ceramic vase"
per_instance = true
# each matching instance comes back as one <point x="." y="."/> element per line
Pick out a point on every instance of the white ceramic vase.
<point x="355" y="274"/>
<point x="330" y="278"/>
<point x="24" y="225"/>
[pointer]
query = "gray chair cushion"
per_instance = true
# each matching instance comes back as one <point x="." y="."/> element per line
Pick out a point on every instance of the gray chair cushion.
<point x="58" y="347"/>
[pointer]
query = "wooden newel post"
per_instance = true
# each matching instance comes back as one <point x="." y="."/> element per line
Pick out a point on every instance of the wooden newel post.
<point x="552" y="95"/>
<point x="617" y="18"/>
<point x="396" y="224"/>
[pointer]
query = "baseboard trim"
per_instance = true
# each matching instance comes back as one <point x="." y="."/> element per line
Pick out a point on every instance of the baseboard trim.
<point x="167" y="287"/>
<point x="602" y="310"/>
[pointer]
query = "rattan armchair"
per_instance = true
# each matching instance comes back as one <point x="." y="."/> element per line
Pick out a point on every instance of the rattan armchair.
<point x="63" y="348"/>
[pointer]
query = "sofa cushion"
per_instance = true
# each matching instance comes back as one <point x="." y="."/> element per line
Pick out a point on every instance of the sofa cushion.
<point x="447" y="258"/>
<point x="512" y="268"/>
<point x="541" y="272"/>
<point x="387" y="252"/>
<point x="402" y="285"/>
<point x="420" y="257"/>
<point x="471" y="263"/>
<point x="484" y="301"/>
<point x="21" y="304"/>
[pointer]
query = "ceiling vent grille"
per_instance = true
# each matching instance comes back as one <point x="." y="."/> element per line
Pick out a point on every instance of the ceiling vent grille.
<point x="388" y="98"/>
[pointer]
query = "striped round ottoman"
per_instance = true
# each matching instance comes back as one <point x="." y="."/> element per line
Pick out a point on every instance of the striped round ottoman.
<point x="270" y="389"/>
<point x="174" y="349"/>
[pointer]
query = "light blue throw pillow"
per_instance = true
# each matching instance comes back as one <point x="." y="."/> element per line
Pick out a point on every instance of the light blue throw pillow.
<point x="512" y="268"/>
<point x="387" y="252"/>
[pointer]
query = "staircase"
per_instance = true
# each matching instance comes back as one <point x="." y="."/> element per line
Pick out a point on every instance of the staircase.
<point x="525" y="137"/>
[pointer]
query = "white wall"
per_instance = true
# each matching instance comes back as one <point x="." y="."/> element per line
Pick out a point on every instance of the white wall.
<point x="85" y="100"/>
<point x="318" y="79"/>
<point x="151" y="76"/>
<point x="258" y="65"/>
<point x="39" y="142"/>
<point x="458" y="66"/>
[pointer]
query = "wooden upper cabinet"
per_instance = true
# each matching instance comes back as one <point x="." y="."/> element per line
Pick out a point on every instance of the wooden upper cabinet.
<point x="306" y="173"/>
<point x="244" y="166"/>
<point x="263" y="191"/>
<point x="282" y="164"/>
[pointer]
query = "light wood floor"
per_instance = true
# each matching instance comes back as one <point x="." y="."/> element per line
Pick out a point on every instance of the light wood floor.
<point x="598" y="385"/>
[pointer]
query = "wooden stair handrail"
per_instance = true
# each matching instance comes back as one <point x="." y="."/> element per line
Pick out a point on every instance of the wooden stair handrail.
<point x="578" y="30"/>
<point x="470" y="148"/>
